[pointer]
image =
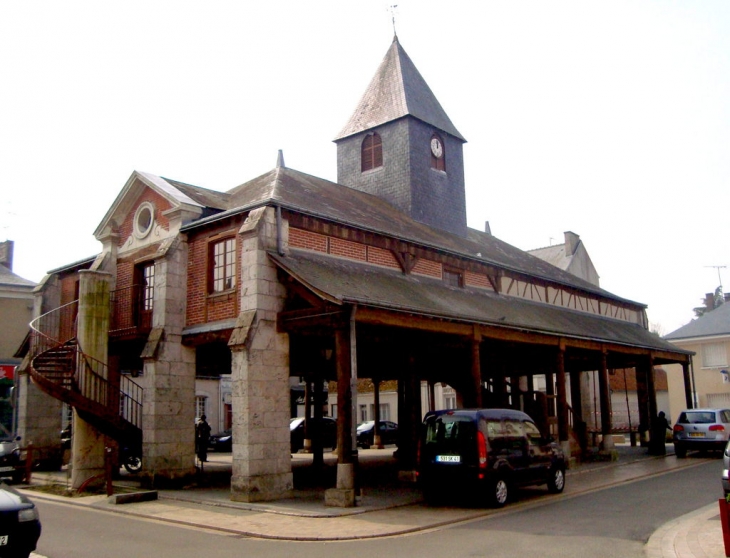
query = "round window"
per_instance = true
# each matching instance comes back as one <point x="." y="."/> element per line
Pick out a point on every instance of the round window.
<point x="144" y="219"/>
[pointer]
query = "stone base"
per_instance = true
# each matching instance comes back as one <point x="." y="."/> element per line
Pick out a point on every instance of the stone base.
<point x="339" y="497"/>
<point x="262" y="489"/>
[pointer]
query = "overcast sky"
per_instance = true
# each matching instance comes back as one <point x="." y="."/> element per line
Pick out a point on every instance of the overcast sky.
<point x="609" y="119"/>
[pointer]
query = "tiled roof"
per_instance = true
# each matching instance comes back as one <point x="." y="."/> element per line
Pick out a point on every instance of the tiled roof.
<point x="397" y="90"/>
<point x="346" y="281"/>
<point x="712" y="323"/>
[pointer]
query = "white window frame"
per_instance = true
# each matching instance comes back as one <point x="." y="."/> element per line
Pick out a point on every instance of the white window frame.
<point x="714" y="355"/>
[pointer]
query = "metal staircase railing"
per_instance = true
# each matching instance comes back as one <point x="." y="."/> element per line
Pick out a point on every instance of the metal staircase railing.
<point x="61" y="369"/>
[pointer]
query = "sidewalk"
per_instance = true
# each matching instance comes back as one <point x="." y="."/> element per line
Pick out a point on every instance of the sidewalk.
<point x="386" y="507"/>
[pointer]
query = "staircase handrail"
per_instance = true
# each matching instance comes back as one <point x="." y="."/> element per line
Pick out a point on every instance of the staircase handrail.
<point x="56" y="329"/>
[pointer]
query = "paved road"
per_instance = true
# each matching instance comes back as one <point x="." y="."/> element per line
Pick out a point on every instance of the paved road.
<point x="615" y="522"/>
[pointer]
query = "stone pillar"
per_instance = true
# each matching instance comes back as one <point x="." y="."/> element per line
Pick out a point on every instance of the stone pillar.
<point x="260" y="370"/>
<point x="92" y="332"/>
<point x="39" y="414"/>
<point x="168" y="411"/>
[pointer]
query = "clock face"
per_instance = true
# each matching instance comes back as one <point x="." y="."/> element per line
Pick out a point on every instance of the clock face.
<point x="436" y="148"/>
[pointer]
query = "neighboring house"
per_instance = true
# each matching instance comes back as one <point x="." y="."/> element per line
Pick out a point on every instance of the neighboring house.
<point x="16" y="311"/>
<point x="570" y="256"/>
<point x="290" y="278"/>
<point x="709" y="338"/>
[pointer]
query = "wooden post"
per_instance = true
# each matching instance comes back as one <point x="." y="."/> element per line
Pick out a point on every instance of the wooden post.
<point x="687" y="386"/>
<point x="607" y="441"/>
<point x="377" y="442"/>
<point x="476" y="371"/>
<point x="562" y="398"/>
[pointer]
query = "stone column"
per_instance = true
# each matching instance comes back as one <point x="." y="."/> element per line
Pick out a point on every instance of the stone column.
<point x="93" y="337"/>
<point x="168" y="413"/>
<point x="260" y="370"/>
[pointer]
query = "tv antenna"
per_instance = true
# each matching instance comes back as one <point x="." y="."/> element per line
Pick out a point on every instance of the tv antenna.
<point x="718" y="268"/>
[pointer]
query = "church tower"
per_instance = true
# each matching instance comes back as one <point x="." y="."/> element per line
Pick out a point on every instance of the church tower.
<point x="400" y="145"/>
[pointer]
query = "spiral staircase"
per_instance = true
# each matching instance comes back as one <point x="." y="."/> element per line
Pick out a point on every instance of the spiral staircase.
<point x="59" y="367"/>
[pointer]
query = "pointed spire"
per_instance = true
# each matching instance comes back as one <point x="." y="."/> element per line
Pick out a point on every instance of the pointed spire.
<point x="397" y="90"/>
<point x="280" y="160"/>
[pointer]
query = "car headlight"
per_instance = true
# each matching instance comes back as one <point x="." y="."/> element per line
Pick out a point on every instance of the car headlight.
<point x="28" y="514"/>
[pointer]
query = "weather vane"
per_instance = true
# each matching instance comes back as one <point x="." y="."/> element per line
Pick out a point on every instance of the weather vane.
<point x="392" y="15"/>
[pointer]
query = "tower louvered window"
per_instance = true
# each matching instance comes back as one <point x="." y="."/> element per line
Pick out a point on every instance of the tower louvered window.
<point x="371" y="156"/>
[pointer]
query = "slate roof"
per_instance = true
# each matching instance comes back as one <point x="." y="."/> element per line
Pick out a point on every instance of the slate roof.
<point x="710" y="324"/>
<point x="344" y="281"/>
<point x="397" y="90"/>
<point x="10" y="279"/>
<point x="554" y="255"/>
<point x="327" y="200"/>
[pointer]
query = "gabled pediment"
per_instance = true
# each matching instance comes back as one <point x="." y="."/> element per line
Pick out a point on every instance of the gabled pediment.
<point x="177" y="204"/>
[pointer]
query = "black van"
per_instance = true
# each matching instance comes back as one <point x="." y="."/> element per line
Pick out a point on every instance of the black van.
<point x="485" y="453"/>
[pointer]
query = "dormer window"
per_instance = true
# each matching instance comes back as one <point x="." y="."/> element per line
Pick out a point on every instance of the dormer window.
<point x="453" y="278"/>
<point x="371" y="152"/>
<point x="438" y="153"/>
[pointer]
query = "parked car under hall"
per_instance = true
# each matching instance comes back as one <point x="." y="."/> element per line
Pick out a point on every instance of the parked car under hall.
<point x="326" y="428"/>
<point x="388" y="431"/>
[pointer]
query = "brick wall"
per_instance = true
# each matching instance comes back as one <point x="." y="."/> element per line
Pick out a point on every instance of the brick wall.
<point x="428" y="267"/>
<point x="160" y="204"/>
<point x="480" y="280"/>
<point x="203" y="307"/>
<point x="379" y="256"/>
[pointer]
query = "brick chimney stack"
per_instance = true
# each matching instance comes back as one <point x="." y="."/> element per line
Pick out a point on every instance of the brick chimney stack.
<point x="6" y="254"/>
<point x="709" y="301"/>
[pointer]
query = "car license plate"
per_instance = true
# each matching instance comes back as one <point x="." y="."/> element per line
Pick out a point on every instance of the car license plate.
<point x="448" y="458"/>
<point x="3" y="540"/>
<point x="696" y="434"/>
<point x="6" y="469"/>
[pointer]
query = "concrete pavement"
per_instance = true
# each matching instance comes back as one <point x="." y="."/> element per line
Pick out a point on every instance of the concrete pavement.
<point x="385" y="507"/>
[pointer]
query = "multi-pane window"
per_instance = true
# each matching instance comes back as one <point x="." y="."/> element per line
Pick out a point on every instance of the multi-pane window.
<point x="148" y="286"/>
<point x="714" y="355"/>
<point x="224" y="265"/>
<point x="201" y="402"/>
<point x="371" y="152"/>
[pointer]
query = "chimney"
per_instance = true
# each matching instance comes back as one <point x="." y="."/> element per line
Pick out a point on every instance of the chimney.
<point x="487" y="228"/>
<point x="709" y="302"/>
<point x="571" y="242"/>
<point x="6" y="254"/>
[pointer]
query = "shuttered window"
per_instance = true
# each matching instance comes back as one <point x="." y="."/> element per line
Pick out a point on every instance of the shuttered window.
<point x="371" y="152"/>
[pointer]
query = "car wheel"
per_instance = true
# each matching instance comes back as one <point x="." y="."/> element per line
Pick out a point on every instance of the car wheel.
<point x="556" y="480"/>
<point x="500" y="492"/>
<point x="680" y="451"/>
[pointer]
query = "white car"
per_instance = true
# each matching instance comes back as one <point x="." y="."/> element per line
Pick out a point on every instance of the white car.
<point x="701" y="429"/>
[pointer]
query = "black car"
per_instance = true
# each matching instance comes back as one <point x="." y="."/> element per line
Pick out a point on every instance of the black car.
<point x="388" y="431"/>
<point x="11" y="463"/>
<point x="222" y="442"/>
<point x="20" y="526"/>
<point x="325" y="428"/>
<point x="484" y="454"/>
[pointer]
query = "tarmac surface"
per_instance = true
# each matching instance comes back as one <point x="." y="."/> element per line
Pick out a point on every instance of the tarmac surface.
<point x="385" y="506"/>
